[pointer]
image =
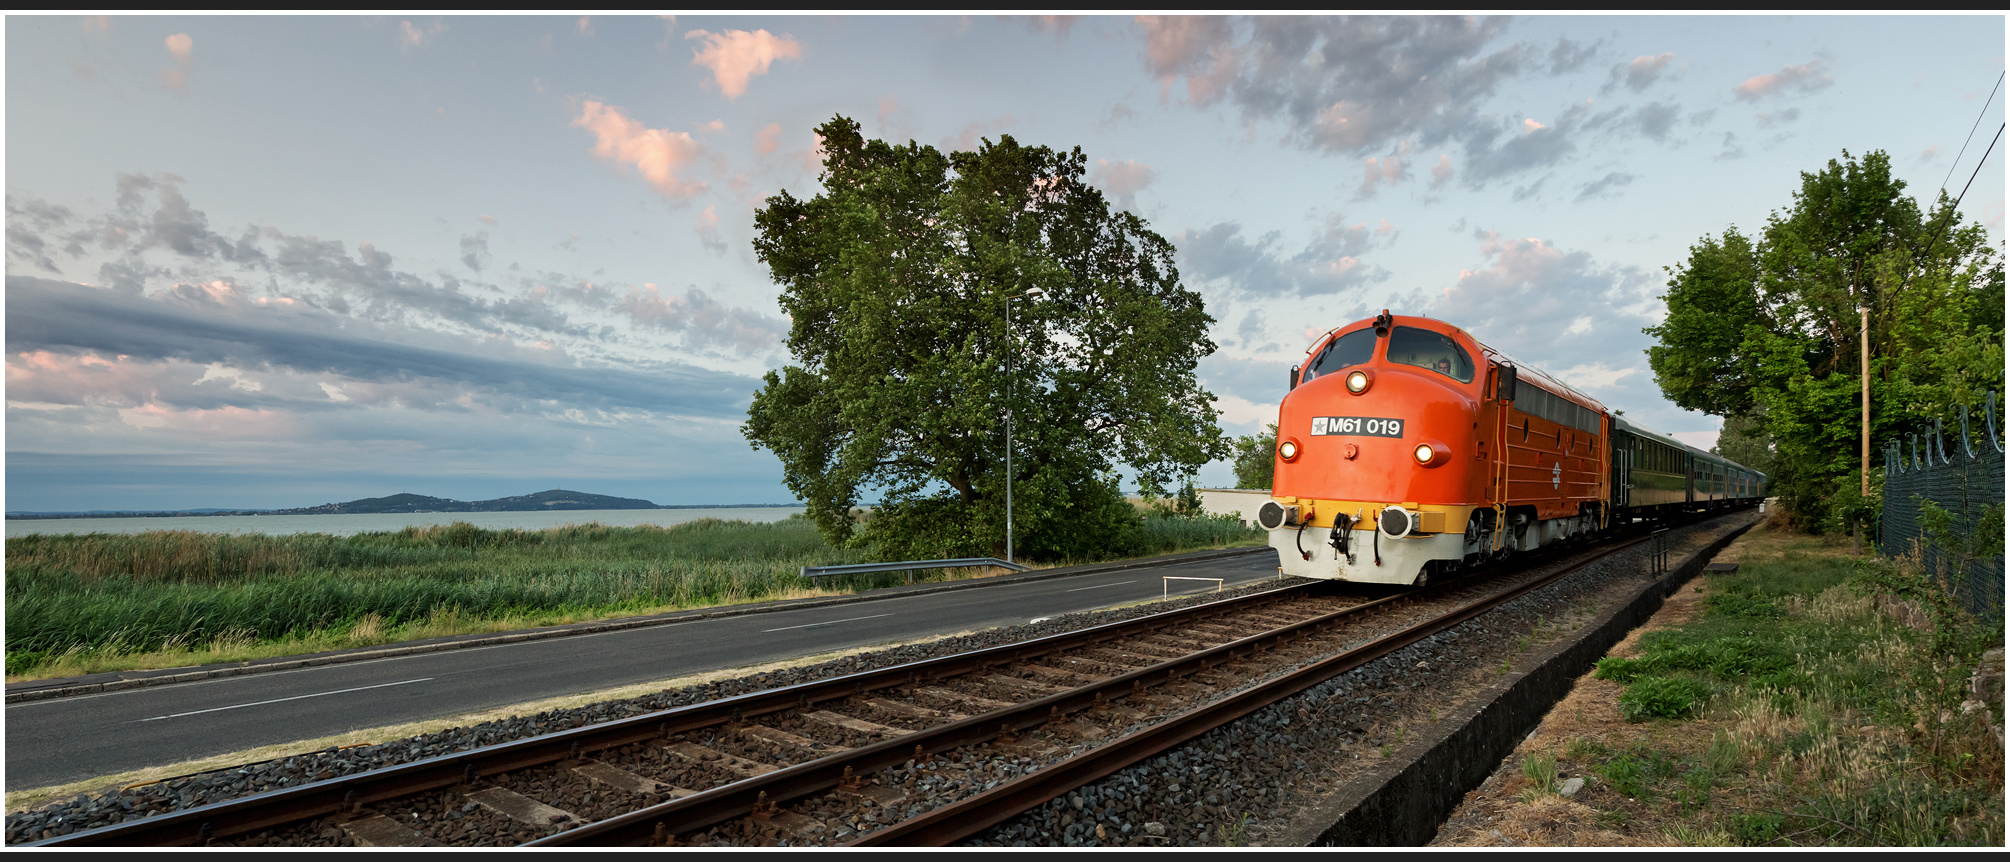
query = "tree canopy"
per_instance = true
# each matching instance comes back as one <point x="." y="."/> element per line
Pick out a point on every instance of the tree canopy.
<point x="1256" y="459"/>
<point x="896" y="278"/>
<point x="1765" y="332"/>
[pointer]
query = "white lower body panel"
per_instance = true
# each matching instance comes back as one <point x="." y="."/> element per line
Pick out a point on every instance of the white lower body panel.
<point x="1402" y="559"/>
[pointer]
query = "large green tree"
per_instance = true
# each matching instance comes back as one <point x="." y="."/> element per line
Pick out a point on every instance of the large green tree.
<point x="1765" y="332"/>
<point x="1255" y="459"/>
<point x="896" y="278"/>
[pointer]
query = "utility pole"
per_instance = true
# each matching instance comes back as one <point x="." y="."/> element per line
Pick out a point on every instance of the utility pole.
<point x="1863" y="465"/>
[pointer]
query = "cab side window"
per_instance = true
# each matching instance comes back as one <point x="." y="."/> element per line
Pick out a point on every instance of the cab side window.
<point x="1426" y="349"/>
<point x="1354" y="348"/>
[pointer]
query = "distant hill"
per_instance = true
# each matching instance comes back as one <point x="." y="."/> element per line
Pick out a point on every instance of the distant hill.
<point x="542" y="501"/>
<point x="405" y="504"/>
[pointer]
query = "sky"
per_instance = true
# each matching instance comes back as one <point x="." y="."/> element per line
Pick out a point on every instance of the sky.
<point x="267" y="262"/>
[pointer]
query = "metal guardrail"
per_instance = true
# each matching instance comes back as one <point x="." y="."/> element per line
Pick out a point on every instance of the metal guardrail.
<point x="910" y="566"/>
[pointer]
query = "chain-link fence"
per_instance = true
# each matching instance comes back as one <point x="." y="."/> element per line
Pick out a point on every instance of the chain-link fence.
<point x="1943" y="497"/>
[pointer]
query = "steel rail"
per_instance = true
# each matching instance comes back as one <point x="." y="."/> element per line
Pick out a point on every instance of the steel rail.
<point x="972" y="815"/>
<point x="196" y="826"/>
<point x="738" y="799"/>
<point x="741" y="798"/>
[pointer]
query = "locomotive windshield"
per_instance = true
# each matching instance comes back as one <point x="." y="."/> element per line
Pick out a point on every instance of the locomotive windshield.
<point x="1354" y="348"/>
<point x="1426" y="349"/>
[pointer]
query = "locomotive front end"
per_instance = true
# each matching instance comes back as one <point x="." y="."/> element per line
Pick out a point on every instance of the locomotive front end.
<point x="1381" y="464"/>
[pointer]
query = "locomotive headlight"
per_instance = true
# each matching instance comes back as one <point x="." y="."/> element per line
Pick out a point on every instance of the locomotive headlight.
<point x="1288" y="449"/>
<point x="1423" y="453"/>
<point x="1357" y="382"/>
<point x="1431" y="453"/>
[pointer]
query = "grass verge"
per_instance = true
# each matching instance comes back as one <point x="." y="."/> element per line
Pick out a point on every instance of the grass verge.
<point x="88" y="604"/>
<point x="1808" y="699"/>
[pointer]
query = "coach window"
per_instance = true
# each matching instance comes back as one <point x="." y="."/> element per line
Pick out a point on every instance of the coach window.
<point x="1426" y="349"/>
<point x="1354" y="348"/>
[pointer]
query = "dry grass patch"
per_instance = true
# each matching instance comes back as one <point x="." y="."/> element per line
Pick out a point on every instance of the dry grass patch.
<point x="1783" y="705"/>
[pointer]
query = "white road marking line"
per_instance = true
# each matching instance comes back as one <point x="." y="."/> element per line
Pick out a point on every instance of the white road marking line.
<point x="827" y="623"/>
<point x="285" y="699"/>
<point x="1100" y="586"/>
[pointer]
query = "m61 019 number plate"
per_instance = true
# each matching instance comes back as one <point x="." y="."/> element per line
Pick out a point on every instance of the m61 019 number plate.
<point x="1356" y="426"/>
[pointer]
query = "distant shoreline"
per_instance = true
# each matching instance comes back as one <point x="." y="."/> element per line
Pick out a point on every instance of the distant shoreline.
<point x="57" y="516"/>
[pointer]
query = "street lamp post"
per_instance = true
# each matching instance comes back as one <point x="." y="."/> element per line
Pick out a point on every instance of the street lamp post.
<point x="1009" y="352"/>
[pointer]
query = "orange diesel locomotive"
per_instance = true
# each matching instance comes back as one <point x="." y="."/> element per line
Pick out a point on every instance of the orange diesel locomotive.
<point x="1407" y="449"/>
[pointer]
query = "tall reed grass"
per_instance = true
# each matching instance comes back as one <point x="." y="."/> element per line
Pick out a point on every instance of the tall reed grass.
<point x="109" y="595"/>
<point x="173" y="589"/>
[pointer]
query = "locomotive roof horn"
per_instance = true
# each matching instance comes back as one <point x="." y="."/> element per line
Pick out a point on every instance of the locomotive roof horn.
<point x="1383" y="322"/>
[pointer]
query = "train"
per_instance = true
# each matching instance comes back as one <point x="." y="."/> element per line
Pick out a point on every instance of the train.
<point x="1408" y="450"/>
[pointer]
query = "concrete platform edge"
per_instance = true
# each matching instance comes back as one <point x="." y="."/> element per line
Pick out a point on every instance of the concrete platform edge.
<point x="1404" y="802"/>
<point x="75" y="686"/>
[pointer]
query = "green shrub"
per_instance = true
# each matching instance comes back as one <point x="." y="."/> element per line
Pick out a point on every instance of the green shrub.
<point x="1661" y="697"/>
<point x="1729" y="604"/>
<point x="1620" y="670"/>
<point x="1755" y="829"/>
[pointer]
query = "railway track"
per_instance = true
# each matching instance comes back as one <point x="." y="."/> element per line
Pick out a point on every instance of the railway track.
<point x="925" y="753"/>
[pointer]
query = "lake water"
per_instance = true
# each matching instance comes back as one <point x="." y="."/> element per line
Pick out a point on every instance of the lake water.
<point x="344" y="525"/>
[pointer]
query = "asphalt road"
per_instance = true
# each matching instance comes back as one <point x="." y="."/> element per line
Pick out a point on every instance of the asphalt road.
<point x="75" y="738"/>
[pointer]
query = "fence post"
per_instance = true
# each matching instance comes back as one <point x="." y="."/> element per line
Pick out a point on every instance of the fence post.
<point x="1990" y="416"/>
<point x="1966" y="449"/>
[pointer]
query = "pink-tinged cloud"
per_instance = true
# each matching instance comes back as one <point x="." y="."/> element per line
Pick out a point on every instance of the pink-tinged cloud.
<point x="1642" y="72"/>
<point x="658" y="154"/>
<point x="1529" y="126"/>
<point x="416" y="37"/>
<point x="181" y="47"/>
<point x="768" y="139"/>
<point x="708" y="232"/>
<point x="97" y="23"/>
<point x="737" y="55"/>
<point x="1805" y="78"/>
<point x="1122" y="180"/>
<point x="1441" y="173"/>
<point x="222" y="423"/>
<point x="1177" y="44"/>
<point x="1388" y="170"/>
<point x="1055" y="24"/>
<point x="585" y="26"/>
<point x="813" y="158"/>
